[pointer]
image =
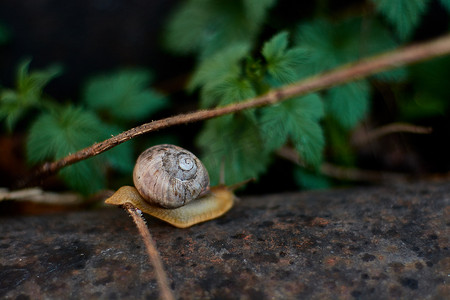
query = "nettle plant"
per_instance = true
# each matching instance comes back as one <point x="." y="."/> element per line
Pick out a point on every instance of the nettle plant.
<point x="238" y="56"/>
<point x="109" y="104"/>
<point x="234" y="65"/>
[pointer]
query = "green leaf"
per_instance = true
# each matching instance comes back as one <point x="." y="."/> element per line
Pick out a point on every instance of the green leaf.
<point x="63" y="131"/>
<point x="404" y="15"/>
<point x="120" y="157"/>
<point x="86" y="177"/>
<point x="11" y="108"/>
<point x="349" y="103"/>
<point x="296" y="120"/>
<point x="282" y="64"/>
<point x="276" y="46"/>
<point x="14" y="104"/>
<point x="330" y="44"/>
<point x="31" y="84"/>
<point x="339" y="149"/>
<point x="125" y="95"/>
<point x="207" y="26"/>
<point x="230" y="90"/>
<point x="224" y="64"/>
<point x="234" y="142"/>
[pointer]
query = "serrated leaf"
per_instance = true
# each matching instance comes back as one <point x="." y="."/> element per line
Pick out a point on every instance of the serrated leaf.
<point x="31" y="84"/>
<point x="219" y="67"/>
<point x="124" y="95"/>
<point x="282" y="64"/>
<point x="296" y="120"/>
<point x="404" y="15"/>
<point x="230" y="90"/>
<point x="329" y="44"/>
<point x="394" y="75"/>
<point x="11" y="109"/>
<point x="120" y="157"/>
<point x="234" y="142"/>
<point x="276" y="46"/>
<point x="207" y="26"/>
<point x="349" y="103"/>
<point x="67" y="130"/>
<point x="86" y="177"/>
<point x="14" y="104"/>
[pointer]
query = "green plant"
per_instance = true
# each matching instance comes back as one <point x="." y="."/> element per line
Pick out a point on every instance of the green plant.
<point x="110" y="103"/>
<point x="240" y="52"/>
<point x="232" y="68"/>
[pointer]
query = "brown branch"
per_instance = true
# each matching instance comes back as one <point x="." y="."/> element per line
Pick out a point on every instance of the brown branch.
<point x="389" y="129"/>
<point x="152" y="252"/>
<point x="363" y="68"/>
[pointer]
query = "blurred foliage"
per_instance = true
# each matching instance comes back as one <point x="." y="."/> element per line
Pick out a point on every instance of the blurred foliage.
<point x="404" y="15"/>
<point x="232" y="68"/>
<point x="123" y="95"/>
<point x="15" y="103"/>
<point x="430" y="95"/>
<point x="204" y="26"/>
<point x="241" y="50"/>
<point x="111" y="103"/>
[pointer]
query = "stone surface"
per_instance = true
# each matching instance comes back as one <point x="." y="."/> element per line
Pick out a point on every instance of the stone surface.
<point x="364" y="243"/>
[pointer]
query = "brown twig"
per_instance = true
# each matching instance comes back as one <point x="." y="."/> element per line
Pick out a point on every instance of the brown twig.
<point x="38" y="195"/>
<point x="363" y="68"/>
<point x="343" y="173"/>
<point x="358" y="175"/>
<point x="152" y="252"/>
<point x="388" y="129"/>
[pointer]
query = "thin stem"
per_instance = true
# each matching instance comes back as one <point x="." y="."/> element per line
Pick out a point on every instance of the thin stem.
<point x="343" y="74"/>
<point x="389" y="129"/>
<point x="343" y="173"/>
<point x="152" y="252"/>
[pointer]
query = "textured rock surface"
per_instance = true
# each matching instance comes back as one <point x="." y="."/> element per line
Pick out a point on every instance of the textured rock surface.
<point x="366" y="243"/>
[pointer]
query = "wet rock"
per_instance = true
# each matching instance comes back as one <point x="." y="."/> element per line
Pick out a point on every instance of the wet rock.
<point x="364" y="243"/>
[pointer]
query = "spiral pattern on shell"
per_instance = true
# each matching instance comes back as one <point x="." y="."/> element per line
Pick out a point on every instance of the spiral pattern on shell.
<point x="169" y="176"/>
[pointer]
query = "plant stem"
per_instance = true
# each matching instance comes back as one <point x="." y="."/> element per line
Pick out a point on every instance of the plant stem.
<point x="389" y="129"/>
<point x="152" y="252"/>
<point x="343" y="173"/>
<point x="343" y="74"/>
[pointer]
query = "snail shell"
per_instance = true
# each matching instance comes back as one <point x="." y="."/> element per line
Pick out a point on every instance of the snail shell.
<point x="170" y="176"/>
<point x="164" y="176"/>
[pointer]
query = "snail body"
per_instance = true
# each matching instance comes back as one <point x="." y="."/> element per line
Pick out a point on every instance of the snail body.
<point x="209" y="207"/>
<point x="173" y="185"/>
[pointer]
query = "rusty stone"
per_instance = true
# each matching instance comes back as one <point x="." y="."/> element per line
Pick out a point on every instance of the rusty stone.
<point x="361" y="243"/>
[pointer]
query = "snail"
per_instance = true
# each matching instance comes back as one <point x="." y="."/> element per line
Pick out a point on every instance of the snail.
<point x="172" y="184"/>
